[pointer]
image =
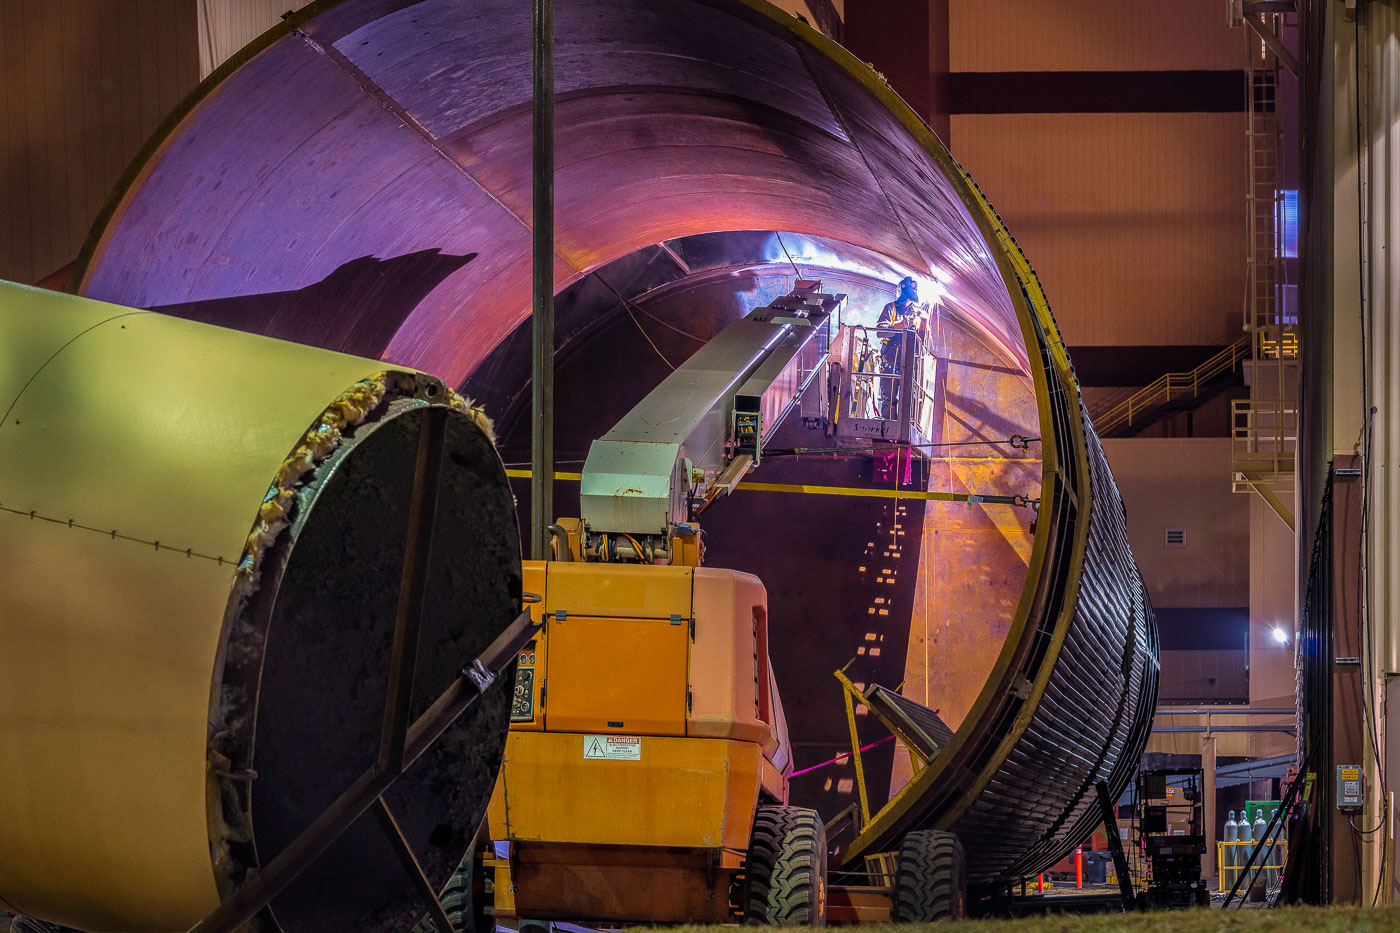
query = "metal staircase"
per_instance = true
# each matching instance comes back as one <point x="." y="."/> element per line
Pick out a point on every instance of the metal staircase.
<point x="1141" y="407"/>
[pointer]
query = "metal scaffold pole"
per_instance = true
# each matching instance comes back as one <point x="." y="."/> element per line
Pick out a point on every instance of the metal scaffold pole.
<point x="542" y="356"/>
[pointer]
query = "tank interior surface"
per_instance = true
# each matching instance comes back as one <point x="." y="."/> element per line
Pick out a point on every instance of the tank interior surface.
<point x="703" y="150"/>
<point x="913" y="591"/>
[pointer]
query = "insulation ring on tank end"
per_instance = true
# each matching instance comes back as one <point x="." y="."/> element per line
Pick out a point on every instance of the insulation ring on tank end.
<point x="259" y="692"/>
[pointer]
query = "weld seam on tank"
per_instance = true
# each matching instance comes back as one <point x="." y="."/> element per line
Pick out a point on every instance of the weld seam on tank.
<point x="114" y="534"/>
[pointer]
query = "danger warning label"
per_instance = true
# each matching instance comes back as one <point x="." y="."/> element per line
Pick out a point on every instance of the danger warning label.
<point x="613" y="747"/>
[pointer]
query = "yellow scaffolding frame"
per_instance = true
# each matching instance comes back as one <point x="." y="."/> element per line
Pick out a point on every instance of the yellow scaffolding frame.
<point x="1276" y="856"/>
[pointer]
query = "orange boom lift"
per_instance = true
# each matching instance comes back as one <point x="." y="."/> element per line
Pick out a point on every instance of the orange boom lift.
<point x="645" y="775"/>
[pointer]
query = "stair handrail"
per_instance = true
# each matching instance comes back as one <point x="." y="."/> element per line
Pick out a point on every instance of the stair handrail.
<point x="1161" y="390"/>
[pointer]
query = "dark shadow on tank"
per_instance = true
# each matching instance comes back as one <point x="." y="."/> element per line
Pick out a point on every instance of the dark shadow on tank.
<point x="356" y="309"/>
<point x="988" y="367"/>
<point x="840" y="573"/>
<point x="981" y="421"/>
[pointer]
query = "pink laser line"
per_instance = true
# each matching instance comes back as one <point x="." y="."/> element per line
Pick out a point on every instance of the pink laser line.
<point x="840" y="757"/>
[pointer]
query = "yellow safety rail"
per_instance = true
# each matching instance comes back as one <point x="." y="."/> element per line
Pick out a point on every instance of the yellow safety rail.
<point x="1274" y="858"/>
<point x="1171" y="386"/>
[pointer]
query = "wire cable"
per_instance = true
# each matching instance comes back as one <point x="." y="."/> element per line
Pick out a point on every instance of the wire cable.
<point x="633" y="306"/>
<point x="525" y="465"/>
<point x="647" y="336"/>
<point x="841" y="757"/>
<point x="637" y="549"/>
<point x="787" y="254"/>
<point x="1365" y="832"/>
<point x="1015" y="441"/>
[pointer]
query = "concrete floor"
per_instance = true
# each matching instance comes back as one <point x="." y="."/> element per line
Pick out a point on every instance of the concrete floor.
<point x="1282" y="920"/>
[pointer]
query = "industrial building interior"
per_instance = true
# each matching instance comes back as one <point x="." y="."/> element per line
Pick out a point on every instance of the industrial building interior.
<point x="1205" y="192"/>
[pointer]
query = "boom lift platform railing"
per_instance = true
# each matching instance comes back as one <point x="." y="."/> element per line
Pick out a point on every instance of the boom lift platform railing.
<point x="881" y="388"/>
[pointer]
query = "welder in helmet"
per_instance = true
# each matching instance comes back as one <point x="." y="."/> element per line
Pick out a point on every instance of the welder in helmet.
<point x="902" y="314"/>
<point x="905" y="313"/>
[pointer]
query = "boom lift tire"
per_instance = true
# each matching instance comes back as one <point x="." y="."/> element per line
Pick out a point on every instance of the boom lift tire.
<point x="930" y="882"/>
<point x="785" y="874"/>
<point x="465" y="899"/>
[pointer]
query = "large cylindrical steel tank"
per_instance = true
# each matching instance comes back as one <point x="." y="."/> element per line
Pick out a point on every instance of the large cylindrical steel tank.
<point x="204" y="532"/>
<point x="383" y="208"/>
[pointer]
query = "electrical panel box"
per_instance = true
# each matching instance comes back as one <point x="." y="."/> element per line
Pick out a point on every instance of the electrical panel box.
<point x="748" y="426"/>
<point x="1350" y="787"/>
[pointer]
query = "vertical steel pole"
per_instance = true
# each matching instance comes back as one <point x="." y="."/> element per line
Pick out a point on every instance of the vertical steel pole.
<point x="1208" y="763"/>
<point x="542" y="357"/>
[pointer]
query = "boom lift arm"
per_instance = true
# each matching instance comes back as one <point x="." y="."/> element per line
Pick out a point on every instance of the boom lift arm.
<point x="704" y="426"/>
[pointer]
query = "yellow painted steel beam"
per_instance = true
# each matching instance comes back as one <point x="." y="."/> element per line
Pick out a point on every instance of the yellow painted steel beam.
<point x="1275" y="502"/>
<point x="856" y="491"/>
<point x="852" y="696"/>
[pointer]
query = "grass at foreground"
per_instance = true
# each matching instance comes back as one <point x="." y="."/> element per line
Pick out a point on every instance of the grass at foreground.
<point x="1281" y="920"/>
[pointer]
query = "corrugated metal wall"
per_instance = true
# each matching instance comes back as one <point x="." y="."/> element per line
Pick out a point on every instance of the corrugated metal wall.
<point x="225" y="26"/>
<point x="83" y="83"/>
<point x="1135" y="220"/>
<point x="1090" y="35"/>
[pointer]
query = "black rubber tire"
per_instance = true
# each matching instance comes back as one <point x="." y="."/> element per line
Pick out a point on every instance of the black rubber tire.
<point x="930" y="882"/>
<point x="785" y="873"/>
<point x="464" y="900"/>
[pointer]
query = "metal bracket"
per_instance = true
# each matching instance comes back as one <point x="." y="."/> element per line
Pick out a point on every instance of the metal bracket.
<point x="1256" y="22"/>
<point x="477" y="673"/>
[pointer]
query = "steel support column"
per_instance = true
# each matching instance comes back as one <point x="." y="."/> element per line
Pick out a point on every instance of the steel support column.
<point x="1346" y="741"/>
<point x="542" y="376"/>
<point x="1209" y="867"/>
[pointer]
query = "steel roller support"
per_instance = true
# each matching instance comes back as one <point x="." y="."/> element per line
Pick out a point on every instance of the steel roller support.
<point x="384" y="209"/>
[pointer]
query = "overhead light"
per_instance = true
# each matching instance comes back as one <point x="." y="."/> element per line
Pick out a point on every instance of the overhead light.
<point x="1280" y="635"/>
